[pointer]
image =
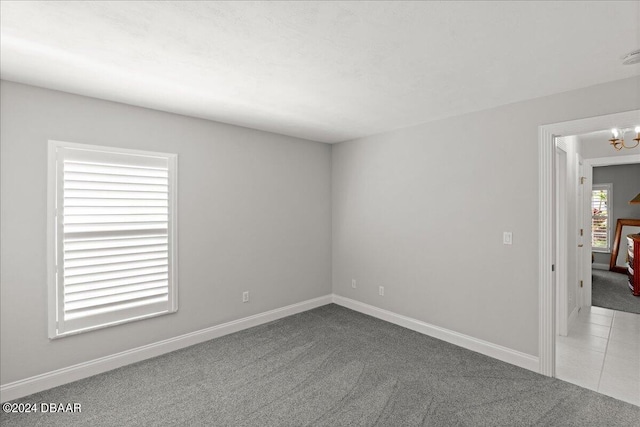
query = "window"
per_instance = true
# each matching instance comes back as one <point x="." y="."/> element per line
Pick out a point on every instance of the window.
<point x="112" y="236"/>
<point x="601" y="217"/>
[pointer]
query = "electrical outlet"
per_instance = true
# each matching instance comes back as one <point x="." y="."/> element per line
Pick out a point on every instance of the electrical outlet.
<point x="245" y="296"/>
<point x="353" y="283"/>
<point x="381" y="291"/>
<point x="507" y="238"/>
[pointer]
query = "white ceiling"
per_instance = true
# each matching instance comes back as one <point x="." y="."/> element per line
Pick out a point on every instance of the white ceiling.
<point x="326" y="71"/>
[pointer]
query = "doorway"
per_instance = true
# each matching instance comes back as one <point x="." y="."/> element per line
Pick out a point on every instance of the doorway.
<point x="591" y="338"/>
<point x="557" y="284"/>
<point x="546" y="222"/>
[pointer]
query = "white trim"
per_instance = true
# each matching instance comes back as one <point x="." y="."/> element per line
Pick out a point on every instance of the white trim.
<point x="573" y="315"/>
<point x="37" y="383"/>
<point x="610" y="161"/>
<point x="546" y="300"/>
<point x="52" y="222"/>
<point x="585" y="291"/>
<point x="111" y="149"/>
<point x="562" y="144"/>
<point x="173" y="232"/>
<point x="561" y="191"/>
<point x="546" y="291"/>
<point x="25" y="387"/>
<point x="597" y="266"/>
<point x="58" y="327"/>
<point x="504" y="354"/>
<point x="583" y="256"/>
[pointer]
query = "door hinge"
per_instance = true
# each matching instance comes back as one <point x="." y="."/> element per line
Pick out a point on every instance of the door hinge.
<point x="581" y="283"/>
<point x="553" y="267"/>
<point x="582" y="179"/>
<point x="581" y="232"/>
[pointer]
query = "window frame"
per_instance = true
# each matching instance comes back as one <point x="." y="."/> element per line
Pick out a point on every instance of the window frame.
<point x="54" y="244"/>
<point x="609" y="189"/>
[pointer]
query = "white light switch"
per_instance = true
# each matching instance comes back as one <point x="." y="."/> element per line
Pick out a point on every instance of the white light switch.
<point x="507" y="238"/>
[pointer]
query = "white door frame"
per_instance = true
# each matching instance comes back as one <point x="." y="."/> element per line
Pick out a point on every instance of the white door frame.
<point x="583" y="222"/>
<point x="560" y="199"/>
<point x="546" y="237"/>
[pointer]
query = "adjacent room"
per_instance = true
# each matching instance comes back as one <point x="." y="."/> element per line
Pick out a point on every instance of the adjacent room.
<point x="319" y="213"/>
<point x="597" y="303"/>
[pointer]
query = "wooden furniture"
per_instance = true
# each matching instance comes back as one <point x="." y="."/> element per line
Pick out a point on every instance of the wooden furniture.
<point x="619" y="244"/>
<point x="634" y="263"/>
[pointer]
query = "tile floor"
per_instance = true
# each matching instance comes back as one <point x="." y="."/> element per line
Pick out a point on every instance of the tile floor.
<point x="602" y="353"/>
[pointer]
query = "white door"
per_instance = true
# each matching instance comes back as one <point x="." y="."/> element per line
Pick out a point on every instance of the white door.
<point x="562" y="312"/>
<point x="583" y="256"/>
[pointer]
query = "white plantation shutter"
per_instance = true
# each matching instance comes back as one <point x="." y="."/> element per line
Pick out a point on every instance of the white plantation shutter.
<point x="114" y="220"/>
<point x="601" y="215"/>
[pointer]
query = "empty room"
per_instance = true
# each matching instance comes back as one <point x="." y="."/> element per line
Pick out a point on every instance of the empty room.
<point x="323" y="213"/>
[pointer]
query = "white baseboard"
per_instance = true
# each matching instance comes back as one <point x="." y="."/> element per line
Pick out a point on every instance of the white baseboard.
<point x="597" y="266"/>
<point x="21" y="388"/>
<point x="25" y="387"/>
<point x="504" y="354"/>
<point x="572" y="317"/>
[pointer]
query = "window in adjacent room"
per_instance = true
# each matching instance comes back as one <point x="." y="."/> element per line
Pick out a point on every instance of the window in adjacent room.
<point x="601" y="217"/>
<point x="112" y="236"/>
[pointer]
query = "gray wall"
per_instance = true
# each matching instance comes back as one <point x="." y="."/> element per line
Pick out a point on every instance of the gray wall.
<point x="626" y="185"/>
<point x="421" y="211"/>
<point x="254" y="214"/>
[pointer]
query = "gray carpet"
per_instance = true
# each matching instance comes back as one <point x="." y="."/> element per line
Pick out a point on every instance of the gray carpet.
<point x="327" y="367"/>
<point x="611" y="290"/>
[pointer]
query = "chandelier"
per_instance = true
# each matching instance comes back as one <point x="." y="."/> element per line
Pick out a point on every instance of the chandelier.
<point x="617" y="139"/>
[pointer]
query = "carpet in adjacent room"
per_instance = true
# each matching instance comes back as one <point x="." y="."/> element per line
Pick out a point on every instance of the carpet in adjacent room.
<point x="611" y="290"/>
